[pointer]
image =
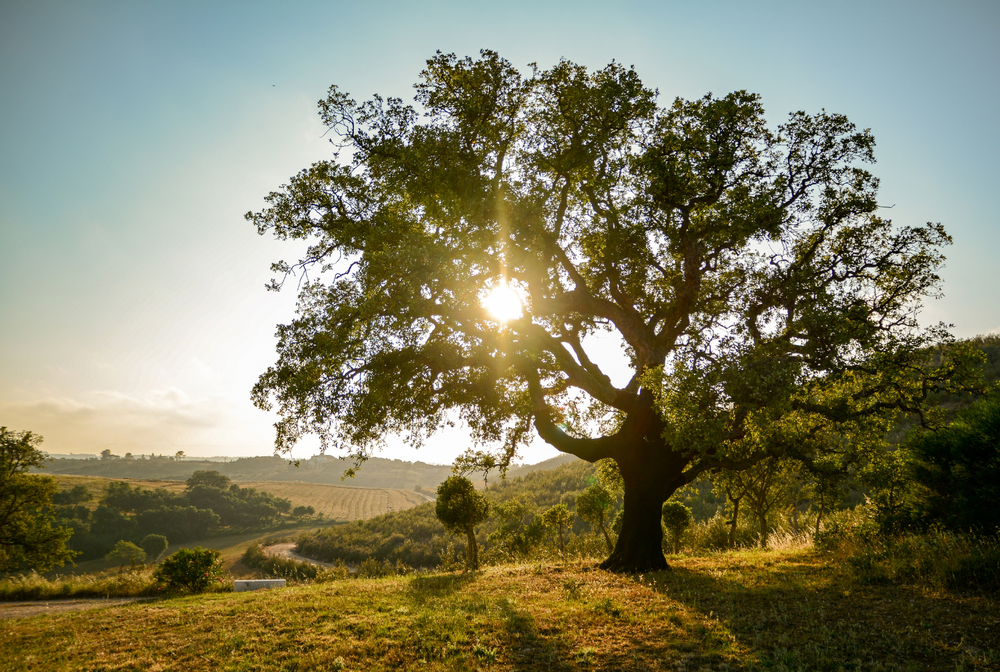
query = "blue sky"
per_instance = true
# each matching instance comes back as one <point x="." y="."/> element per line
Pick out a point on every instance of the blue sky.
<point x="135" y="135"/>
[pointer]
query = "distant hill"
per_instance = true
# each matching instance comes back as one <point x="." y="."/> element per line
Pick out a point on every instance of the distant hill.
<point x="375" y="473"/>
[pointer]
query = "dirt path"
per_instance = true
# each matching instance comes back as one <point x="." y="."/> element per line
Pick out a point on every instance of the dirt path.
<point x="288" y="551"/>
<point x="26" y="609"/>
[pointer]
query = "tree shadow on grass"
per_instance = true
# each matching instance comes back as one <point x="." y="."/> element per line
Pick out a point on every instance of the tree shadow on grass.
<point x="527" y="647"/>
<point x="439" y="585"/>
<point x="808" y="615"/>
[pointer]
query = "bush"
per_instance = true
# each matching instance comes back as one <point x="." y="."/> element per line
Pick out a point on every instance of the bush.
<point x="190" y="569"/>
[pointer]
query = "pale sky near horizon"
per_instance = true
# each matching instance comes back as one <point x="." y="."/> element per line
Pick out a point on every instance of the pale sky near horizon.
<point x="135" y="135"/>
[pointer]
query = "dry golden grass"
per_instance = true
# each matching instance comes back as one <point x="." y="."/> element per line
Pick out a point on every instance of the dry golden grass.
<point x="740" y="611"/>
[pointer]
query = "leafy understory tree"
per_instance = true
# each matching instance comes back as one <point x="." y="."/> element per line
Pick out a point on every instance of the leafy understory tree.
<point x="466" y="250"/>
<point x="594" y="505"/>
<point x="460" y="508"/>
<point x="154" y="545"/>
<point x="126" y="553"/>
<point x="559" y="518"/>
<point x="676" y="518"/>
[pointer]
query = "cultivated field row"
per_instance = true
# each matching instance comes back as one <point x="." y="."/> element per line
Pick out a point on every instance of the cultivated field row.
<point x="336" y="502"/>
<point x="341" y="502"/>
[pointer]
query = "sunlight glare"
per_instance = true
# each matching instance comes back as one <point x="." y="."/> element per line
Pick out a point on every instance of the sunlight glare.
<point x="503" y="303"/>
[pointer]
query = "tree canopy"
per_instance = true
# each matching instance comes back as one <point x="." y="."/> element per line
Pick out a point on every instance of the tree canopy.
<point x="467" y="250"/>
<point x="460" y="508"/>
<point x="28" y="538"/>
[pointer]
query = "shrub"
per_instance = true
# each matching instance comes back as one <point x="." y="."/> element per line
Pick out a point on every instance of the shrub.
<point x="190" y="569"/>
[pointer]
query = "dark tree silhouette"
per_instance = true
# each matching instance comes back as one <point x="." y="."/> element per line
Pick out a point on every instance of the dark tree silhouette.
<point x="476" y="244"/>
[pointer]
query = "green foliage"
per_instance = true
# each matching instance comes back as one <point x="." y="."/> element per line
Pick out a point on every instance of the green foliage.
<point x="559" y="518"/>
<point x="154" y="545"/>
<point x="208" y="479"/>
<point x="460" y="508"/>
<point x="956" y="471"/>
<point x="517" y="531"/>
<point x="127" y="499"/>
<point x="29" y="538"/>
<point x="127" y="553"/>
<point x="76" y="495"/>
<point x="300" y="511"/>
<point x="193" y="570"/>
<point x="676" y="518"/>
<point x="130" y="513"/>
<point x="593" y="505"/>
<point x="768" y="309"/>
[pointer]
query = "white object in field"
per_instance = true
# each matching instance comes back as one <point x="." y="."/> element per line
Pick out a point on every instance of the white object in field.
<point x="257" y="584"/>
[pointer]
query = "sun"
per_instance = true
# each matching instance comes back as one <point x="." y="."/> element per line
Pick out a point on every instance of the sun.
<point x="503" y="303"/>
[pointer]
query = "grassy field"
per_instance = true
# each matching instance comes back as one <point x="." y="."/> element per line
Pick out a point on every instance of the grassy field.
<point x="789" y="610"/>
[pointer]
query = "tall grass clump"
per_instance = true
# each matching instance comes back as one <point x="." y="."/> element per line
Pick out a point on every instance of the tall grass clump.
<point x="292" y="570"/>
<point x="278" y="567"/>
<point x="935" y="558"/>
<point x="34" y="586"/>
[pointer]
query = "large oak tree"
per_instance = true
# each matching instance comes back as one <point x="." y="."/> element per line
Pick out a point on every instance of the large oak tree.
<point x="763" y="303"/>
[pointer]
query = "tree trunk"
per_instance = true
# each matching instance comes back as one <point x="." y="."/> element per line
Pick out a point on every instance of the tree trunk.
<point x="819" y="516"/>
<point x="651" y="472"/>
<point x="734" y="523"/>
<point x="471" y="552"/>
<point x="607" y="537"/>
<point x="640" y="544"/>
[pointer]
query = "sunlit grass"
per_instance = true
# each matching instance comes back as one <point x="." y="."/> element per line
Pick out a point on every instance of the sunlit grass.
<point x="747" y="610"/>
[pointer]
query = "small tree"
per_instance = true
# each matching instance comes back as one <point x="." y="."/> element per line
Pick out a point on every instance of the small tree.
<point x="126" y="553"/>
<point x="593" y="505"/>
<point x="154" y="545"/>
<point x="190" y="569"/>
<point x="559" y="518"/>
<point x="460" y="508"/>
<point x="676" y="518"/>
<point x="28" y="538"/>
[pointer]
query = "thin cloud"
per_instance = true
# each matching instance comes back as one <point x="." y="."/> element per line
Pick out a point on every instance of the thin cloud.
<point x="161" y="421"/>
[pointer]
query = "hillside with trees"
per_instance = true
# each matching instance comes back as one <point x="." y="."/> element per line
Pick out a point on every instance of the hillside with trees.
<point x="209" y="505"/>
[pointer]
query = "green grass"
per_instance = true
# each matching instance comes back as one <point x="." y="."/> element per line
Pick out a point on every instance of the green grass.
<point x="778" y="610"/>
